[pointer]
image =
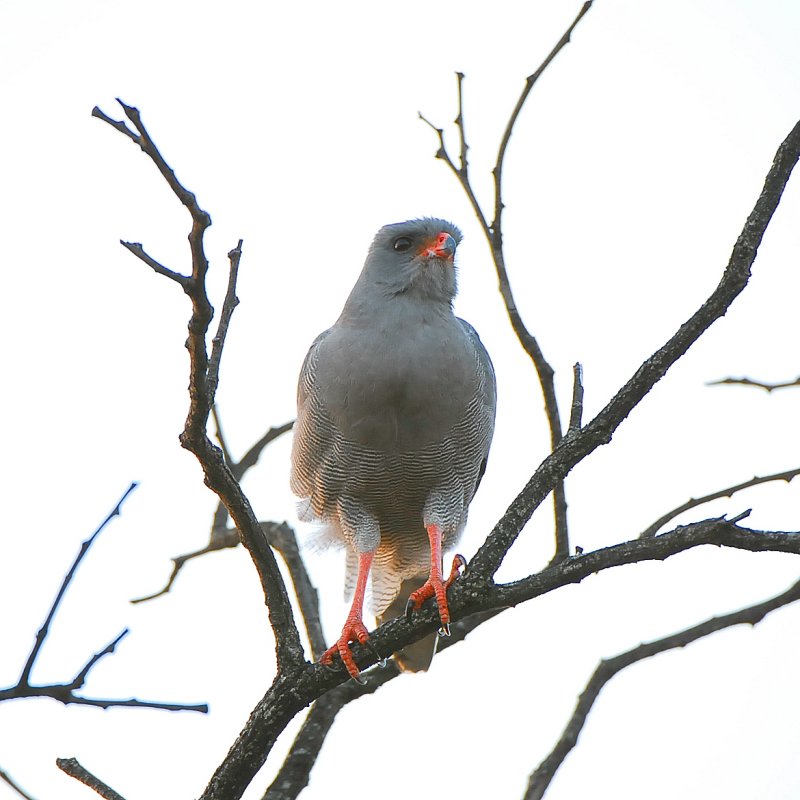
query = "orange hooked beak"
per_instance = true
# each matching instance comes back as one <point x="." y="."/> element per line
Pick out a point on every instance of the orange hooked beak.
<point x="444" y="246"/>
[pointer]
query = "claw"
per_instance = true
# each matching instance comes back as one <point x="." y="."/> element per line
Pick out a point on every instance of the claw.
<point x="444" y="630"/>
<point x="353" y="631"/>
<point x="371" y="647"/>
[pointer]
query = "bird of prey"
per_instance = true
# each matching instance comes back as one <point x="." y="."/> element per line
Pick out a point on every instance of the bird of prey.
<point x="395" y="415"/>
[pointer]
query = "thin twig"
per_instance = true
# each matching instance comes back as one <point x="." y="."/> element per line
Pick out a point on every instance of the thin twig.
<point x="63" y="693"/>
<point x="220" y="434"/>
<point x="768" y="387"/>
<point x="230" y="539"/>
<point x="228" y="305"/>
<point x="729" y="491"/>
<point x="15" y="786"/>
<point x="250" y="458"/>
<point x="540" y="779"/>
<point x="24" y="679"/>
<point x="157" y="267"/>
<point x="79" y="680"/>
<point x="576" y="412"/>
<point x="76" y="770"/>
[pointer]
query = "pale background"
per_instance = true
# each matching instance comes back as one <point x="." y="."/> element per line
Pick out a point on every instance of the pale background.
<point x="630" y="174"/>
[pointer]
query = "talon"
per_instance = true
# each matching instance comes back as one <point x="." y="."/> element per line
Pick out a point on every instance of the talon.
<point x="444" y="630"/>
<point x="371" y="647"/>
<point x="353" y="631"/>
<point x="409" y="610"/>
<point x="459" y="563"/>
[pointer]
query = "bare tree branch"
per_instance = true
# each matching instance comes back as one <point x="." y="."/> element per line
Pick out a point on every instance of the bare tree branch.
<point x="157" y="267"/>
<point x="283" y="539"/>
<point x="576" y="411"/>
<point x="292" y="692"/>
<point x="4" y="776"/>
<point x="218" y="342"/>
<point x="76" y="770"/>
<point x="494" y="237"/>
<point x="540" y="779"/>
<point x="24" y="678"/>
<point x="294" y="773"/>
<point x="222" y="537"/>
<point x="577" y="445"/>
<point x="715" y="531"/>
<point x="203" y="381"/>
<point x="729" y="491"/>
<point x="768" y="387"/>
<point x="65" y="692"/>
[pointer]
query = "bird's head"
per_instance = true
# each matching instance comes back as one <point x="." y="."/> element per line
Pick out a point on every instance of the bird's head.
<point x="414" y="257"/>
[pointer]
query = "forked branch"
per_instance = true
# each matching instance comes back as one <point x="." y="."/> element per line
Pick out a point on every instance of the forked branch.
<point x="203" y="380"/>
<point x="494" y="236"/>
<point x="66" y="692"/>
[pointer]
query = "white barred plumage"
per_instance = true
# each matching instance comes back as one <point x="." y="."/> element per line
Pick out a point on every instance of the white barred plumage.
<point x="396" y="406"/>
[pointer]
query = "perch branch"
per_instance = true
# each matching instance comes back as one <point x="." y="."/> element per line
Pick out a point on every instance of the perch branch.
<point x="292" y="692"/>
<point x="540" y="779"/>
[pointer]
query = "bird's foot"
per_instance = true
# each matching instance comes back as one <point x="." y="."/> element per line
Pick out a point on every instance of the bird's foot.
<point x="436" y="587"/>
<point x="354" y="630"/>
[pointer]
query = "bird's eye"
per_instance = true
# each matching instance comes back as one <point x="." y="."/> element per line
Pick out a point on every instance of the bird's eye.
<point x="401" y="244"/>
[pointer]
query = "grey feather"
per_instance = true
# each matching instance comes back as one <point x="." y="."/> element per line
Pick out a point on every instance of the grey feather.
<point x="396" y="406"/>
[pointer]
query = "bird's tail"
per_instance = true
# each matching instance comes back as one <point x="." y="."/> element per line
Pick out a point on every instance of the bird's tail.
<point x="415" y="657"/>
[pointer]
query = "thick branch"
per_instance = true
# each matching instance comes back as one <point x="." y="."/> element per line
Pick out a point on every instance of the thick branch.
<point x="608" y="668"/>
<point x="577" y="445"/>
<point x="471" y="603"/>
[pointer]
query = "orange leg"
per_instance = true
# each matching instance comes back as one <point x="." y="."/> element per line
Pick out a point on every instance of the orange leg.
<point x="435" y="586"/>
<point x="354" y="628"/>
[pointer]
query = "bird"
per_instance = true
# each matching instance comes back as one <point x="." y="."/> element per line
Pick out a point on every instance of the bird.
<point x="395" y="416"/>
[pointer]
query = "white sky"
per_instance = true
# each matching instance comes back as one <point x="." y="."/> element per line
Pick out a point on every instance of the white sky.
<point x="628" y="179"/>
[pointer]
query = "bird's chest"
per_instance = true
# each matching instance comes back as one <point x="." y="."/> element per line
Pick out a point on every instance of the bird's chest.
<point x="399" y="388"/>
